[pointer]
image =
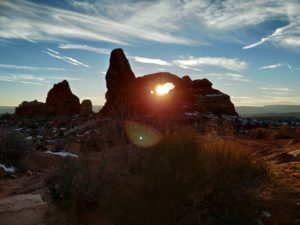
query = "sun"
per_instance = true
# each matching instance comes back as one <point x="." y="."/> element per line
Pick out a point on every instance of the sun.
<point x="163" y="89"/>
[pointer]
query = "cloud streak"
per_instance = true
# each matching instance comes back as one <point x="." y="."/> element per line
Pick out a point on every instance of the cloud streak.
<point x="273" y="66"/>
<point x="227" y="63"/>
<point x="18" y="67"/>
<point x="102" y="51"/>
<point x="151" y="61"/>
<point x="276" y="89"/>
<point x="67" y="59"/>
<point x="288" y="36"/>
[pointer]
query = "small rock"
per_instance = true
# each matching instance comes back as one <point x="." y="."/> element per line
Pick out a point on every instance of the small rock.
<point x="26" y="209"/>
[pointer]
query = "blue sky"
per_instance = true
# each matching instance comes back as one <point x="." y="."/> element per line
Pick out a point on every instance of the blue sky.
<point x="248" y="49"/>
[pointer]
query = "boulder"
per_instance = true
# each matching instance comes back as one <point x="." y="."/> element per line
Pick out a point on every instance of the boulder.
<point x="31" y="108"/>
<point x="129" y="95"/>
<point x="61" y="100"/>
<point x="86" y="107"/>
<point x="25" y="209"/>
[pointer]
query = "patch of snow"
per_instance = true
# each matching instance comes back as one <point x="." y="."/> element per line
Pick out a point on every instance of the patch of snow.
<point x="19" y="129"/>
<point x="214" y="95"/>
<point x="191" y="113"/>
<point x="8" y="169"/>
<point x="266" y="214"/>
<point x="63" y="154"/>
<point x="29" y="138"/>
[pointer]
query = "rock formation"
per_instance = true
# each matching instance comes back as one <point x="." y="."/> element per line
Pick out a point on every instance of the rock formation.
<point x="135" y="96"/>
<point x="86" y="107"/>
<point x="119" y="76"/>
<point x="60" y="100"/>
<point x="31" y="108"/>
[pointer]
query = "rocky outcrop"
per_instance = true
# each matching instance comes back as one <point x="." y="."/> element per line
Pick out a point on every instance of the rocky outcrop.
<point x="26" y="209"/>
<point x="118" y="78"/>
<point x="86" y="107"/>
<point x="31" y="108"/>
<point x="135" y="96"/>
<point x="61" y="100"/>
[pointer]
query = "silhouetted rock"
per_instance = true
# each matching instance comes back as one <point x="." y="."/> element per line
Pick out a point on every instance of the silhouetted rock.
<point x="119" y="76"/>
<point x="31" y="108"/>
<point x="136" y="96"/>
<point x="86" y="107"/>
<point x="61" y="100"/>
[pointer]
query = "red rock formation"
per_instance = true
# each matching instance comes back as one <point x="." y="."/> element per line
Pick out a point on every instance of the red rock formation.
<point x="86" y="107"/>
<point x="119" y="76"/>
<point x="134" y="96"/>
<point x="31" y="108"/>
<point x="61" y="100"/>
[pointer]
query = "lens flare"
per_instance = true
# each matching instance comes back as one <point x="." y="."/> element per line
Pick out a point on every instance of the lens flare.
<point x="163" y="89"/>
<point x="142" y="135"/>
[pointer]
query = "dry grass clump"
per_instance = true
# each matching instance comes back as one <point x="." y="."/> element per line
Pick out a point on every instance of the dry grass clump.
<point x="108" y="135"/>
<point x="75" y="186"/>
<point x="284" y="132"/>
<point x="297" y="132"/>
<point x="260" y="133"/>
<point x="13" y="148"/>
<point x="189" y="180"/>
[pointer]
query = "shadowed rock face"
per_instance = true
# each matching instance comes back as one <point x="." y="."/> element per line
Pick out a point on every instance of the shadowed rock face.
<point x="118" y="78"/>
<point x="60" y="100"/>
<point x="31" y="108"/>
<point x="129" y="95"/>
<point x="86" y="107"/>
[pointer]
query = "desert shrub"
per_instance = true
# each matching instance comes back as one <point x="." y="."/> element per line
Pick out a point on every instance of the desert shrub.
<point x="283" y="132"/>
<point x="260" y="133"/>
<point x="297" y="132"/>
<point x="187" y="180"/>
<point x="13" y="148"/>
<point x="109" y="135"/>
<point x="75" y="185"/>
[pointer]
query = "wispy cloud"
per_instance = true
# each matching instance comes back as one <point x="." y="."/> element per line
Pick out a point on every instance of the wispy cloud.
<point x="276" y="89"/>
<point x="37" y="21"/>
<point x="229" y="76"/>
<point x="67" y="59"/>
<point x="24" y="79"/>
<point x="151" y="61"/>
<point x="265" y="100"/>
<point x="287" y="36"/>
<point x="24" y="37"/>
<point x="273" y="66"/>
<point x="227" y="63"/>
<point x="35" y="79"/>
<point x="104" y="51"/>
<point x="18" y="67"/>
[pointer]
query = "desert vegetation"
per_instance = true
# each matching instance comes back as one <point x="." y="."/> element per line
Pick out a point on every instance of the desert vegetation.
<point x="185" y="179"/>
<point x="13" y="148"/>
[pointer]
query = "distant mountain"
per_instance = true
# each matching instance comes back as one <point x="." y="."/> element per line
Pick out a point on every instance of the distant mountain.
<point x="7" y="109"/>
<point x="270" y="109"/>
<point x="11" y="109"/>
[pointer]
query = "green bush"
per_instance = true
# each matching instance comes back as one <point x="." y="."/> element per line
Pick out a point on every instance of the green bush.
<point x="189" y="180"/>
<point x="13" y="148"/>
